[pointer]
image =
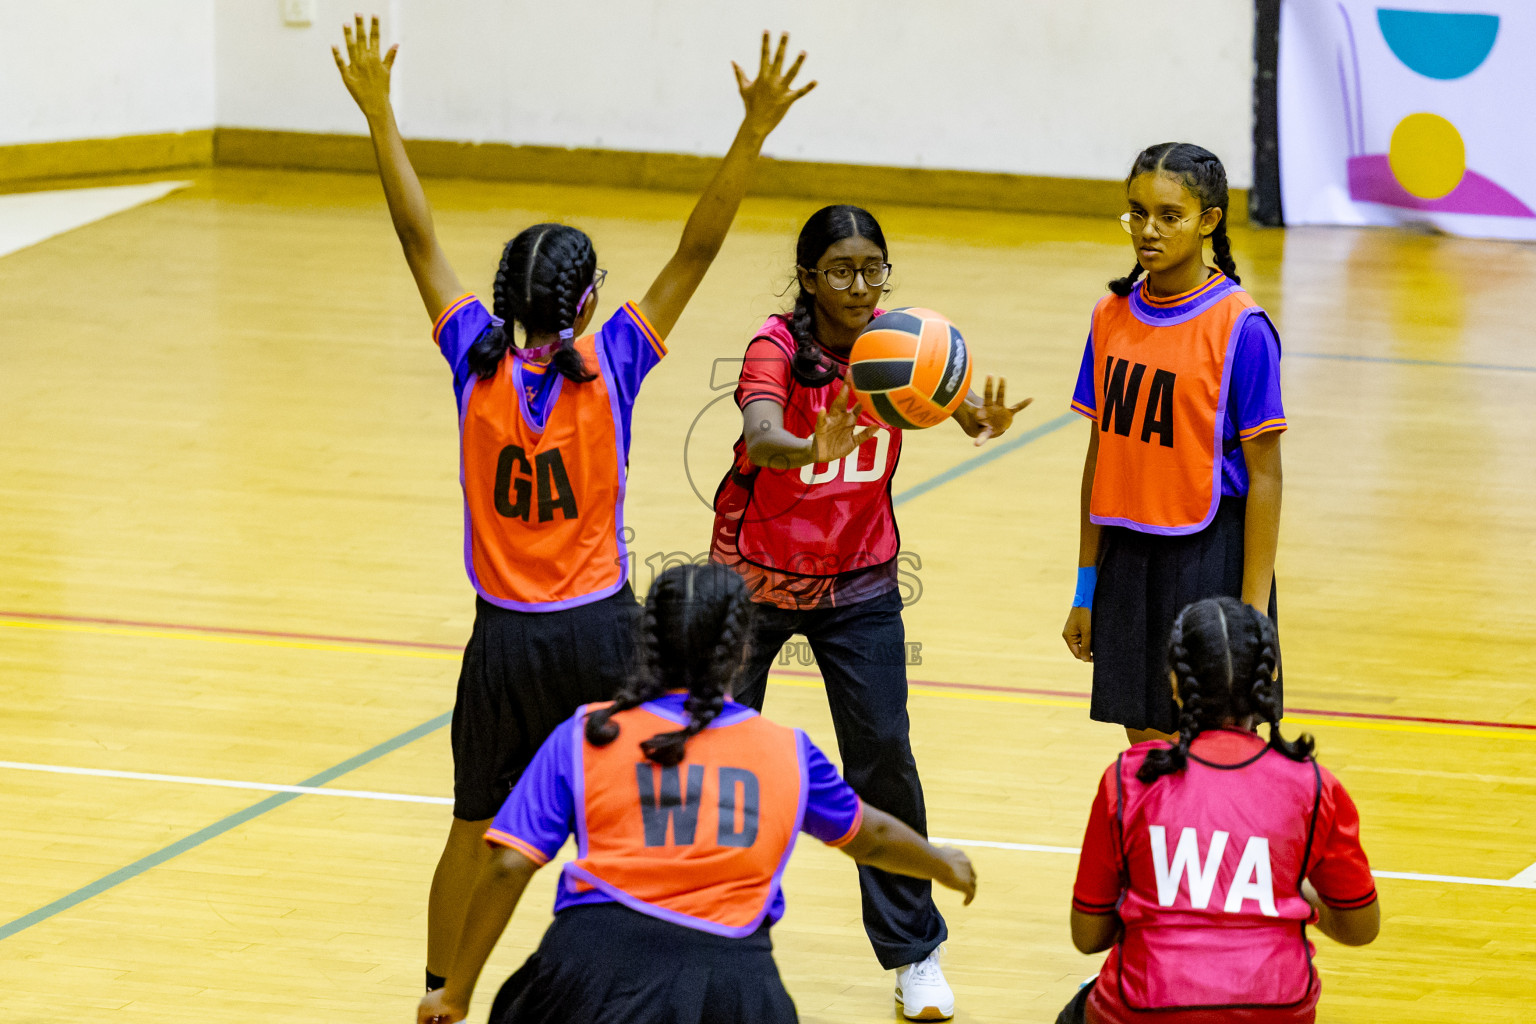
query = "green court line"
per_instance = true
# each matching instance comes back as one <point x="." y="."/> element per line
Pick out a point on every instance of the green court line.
<point x="218" y="828"/>
<point x="239" y="818"/>
<point x="996" y="451"/>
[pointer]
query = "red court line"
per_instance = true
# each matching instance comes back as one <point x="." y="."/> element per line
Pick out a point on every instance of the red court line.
<point x="1368" y="715"/>
<point x="979" y="687"/>
<point x="233" y="631"/>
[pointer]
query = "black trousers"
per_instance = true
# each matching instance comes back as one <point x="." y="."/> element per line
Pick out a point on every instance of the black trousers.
<point x="861" y="650"/>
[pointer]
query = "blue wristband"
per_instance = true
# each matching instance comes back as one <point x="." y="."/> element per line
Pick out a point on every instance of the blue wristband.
<point x="1087" y="579"/>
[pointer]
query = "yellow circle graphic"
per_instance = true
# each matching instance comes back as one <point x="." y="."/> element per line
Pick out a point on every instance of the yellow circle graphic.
<point x="1427" y="155"/>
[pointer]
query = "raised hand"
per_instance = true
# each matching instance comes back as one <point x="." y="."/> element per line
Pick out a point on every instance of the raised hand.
<point x="995" y="414"/>
<point x="769" y="96"/>
<point x="364" y="72"/>
<point x="835" y="435"/>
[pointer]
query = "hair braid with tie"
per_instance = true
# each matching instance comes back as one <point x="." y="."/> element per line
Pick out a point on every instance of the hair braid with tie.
<point x="693" y="637"/>
<point x="1223" y="654"/>
<point x="543" y="274"/>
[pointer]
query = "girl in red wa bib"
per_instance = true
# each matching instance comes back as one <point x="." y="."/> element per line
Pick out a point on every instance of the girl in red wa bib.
<point x="685" y="806"/>
<point x="1181" y="485"/>
<point x="805" y="516"/>
<point x="1204" y="861"/>
<point x="544" y="432"/>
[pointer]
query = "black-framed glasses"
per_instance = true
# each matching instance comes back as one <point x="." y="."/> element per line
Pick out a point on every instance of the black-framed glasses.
<point x="598" y="278"/>
<point x="840" y="278"/>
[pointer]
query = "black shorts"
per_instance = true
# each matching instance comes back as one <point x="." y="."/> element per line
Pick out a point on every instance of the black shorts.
<point x="607" y="964"/>
<point x="1145" y="580"/>
<point x="524" y="673"/>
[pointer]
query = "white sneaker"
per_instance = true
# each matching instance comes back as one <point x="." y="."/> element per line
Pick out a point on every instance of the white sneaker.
<point x="921" y="991"/>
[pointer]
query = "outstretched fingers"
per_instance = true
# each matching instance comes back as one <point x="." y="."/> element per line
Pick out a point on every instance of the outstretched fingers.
<point x="778" y="56"/>
<point x="864" y="435"/>
<point x="794" y="69"/>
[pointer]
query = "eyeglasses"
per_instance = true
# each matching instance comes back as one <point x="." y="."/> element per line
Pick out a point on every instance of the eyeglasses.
<point x="1163" y="225"/>
<point x="841" y="278"/>
<point x="597" y="282"/>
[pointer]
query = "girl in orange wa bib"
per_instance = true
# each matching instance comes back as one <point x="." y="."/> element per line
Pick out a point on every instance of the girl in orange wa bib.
<point x="544" y="433"/>
<point x="1204" y="861"/>
<point x="685" y="807"/>
<point x="1181" y="486"/>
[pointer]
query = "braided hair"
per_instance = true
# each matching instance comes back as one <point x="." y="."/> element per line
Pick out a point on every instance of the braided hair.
<point x="1223" y="654"/>
<point x="827" y="226"/>
<point x="693" y="636"/>
<point x="1204" y="176"/>
<point x="540" y="283"/>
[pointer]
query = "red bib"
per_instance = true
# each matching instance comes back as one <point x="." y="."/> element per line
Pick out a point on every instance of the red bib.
<point x="1162" y="387"/>
<point x="1213" y="911"/>
<point x="703" y="843"/>
<point x="821" y="520"/>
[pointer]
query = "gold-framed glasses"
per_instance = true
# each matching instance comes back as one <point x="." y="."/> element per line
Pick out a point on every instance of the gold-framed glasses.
<point x="1163" y="224"/>
<point x="840" y="278"/>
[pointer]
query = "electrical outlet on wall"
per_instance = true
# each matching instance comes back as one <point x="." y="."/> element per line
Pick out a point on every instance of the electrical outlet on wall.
<point x="298" y="13"/>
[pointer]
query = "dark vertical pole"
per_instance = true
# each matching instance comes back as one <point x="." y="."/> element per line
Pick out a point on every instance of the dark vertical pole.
<point x="1264" y="198"/>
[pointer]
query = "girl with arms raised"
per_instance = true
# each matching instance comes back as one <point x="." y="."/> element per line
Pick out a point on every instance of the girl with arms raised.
<point x="544" y="430"/>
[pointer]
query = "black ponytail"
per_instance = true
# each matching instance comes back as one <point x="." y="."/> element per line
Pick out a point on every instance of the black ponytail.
<point x="827" y="226"/>
<point x="1203" y="175"/>
<point x="543" y="275"/>
<point x="693" y="636"/>
<point x="1223" y="654"/>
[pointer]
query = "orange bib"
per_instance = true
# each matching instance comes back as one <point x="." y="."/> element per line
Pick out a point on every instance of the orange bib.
<point x="543" y="507"/>
<point x="703" y="843"/>
<point x="1162" y="387"/>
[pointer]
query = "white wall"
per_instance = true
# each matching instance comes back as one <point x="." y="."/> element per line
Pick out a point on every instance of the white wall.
<point x="83" y="69"/>
<point x="1057" y="87"/>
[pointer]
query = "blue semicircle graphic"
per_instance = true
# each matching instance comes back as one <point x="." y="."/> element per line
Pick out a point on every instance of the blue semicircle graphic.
<point x="1438" y="44"/>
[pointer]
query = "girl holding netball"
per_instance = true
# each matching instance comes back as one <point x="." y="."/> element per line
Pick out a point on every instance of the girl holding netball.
<point x="1205" y="860"/>
<point x="685" y="806"/>
<point x="1181" y="486"/>
<point x="805" y="516"/>
<point x="544" y="447"/>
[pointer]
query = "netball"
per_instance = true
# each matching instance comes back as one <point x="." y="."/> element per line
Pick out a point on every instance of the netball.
<point x="910" y="368"/>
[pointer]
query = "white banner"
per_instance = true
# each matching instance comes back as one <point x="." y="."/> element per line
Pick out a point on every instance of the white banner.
<point x="1401" y="114"/>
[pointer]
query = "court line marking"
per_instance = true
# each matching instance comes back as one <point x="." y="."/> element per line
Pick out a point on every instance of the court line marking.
<point x="991" y="454"/>
<point x="1346" y="357"/>
<point x="218" y="828"/>
<point x="922" y="687"/>
<point x="1524" y="880"/>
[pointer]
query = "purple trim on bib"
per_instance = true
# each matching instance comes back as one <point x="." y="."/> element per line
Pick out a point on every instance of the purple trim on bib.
<point x="1218" y="457"/>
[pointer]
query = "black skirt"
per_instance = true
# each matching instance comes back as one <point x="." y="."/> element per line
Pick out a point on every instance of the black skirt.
<point x="1145" y="580"/>
<point x="523" y="674"/>
<point x="607" y="964"/>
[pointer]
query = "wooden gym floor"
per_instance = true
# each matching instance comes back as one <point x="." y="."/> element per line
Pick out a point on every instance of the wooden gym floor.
<point x="231" y="551"/>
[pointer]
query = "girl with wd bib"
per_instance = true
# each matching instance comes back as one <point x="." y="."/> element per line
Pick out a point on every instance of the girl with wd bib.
<point x="685" y="806"/>
<point x="1205" y="860"/>
<point x="1181" y="485"/>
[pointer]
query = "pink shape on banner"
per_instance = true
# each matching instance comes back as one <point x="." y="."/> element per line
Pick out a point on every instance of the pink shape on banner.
<point x="1371" y="181"/>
